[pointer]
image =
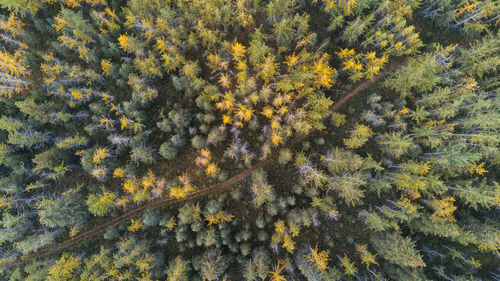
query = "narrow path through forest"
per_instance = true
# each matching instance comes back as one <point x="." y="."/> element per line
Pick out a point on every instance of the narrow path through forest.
<point x="202" y="192"/>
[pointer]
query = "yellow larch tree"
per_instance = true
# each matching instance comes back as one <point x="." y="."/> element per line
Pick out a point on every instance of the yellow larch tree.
<point x="63" y="269"/>
<point x="444" y="208"/>
<point x="349" y="267"/>
<point x="220" y="217"/>
<point x="318" y="258"/>
<point x="277" y="273"/>
<point x="367" y="258"/>
<point x="238" y="51"/>
<point x="99" y="155"/>
<point x="135" y="225"/>
<point x="14" y="72"/>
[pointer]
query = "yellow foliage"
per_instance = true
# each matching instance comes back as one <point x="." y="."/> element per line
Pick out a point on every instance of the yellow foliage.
<point x="282" y="236"/>
<point x="320" y="259"/>
<point x="345" y="53"/>
<point x="491" y="246"/>
<point x="359" y="136"/>
<point x="203" y="158"/>
<point x="244" y="113"/>
<point x="106" y="66"/>
<point x="149" y="180"/>
<point x="131" y="185"/>
<point x="362" y="131"/>
<point x="135" y="225"/>
<point x="219" y="218"/>
<point x="78" y="3"/>
<point x="348" y="5"/>
<point x="291" y="60"/>
<point x="333" y="213"/>
<point x="125" y="122"/>
<point x="178" y="192"/>
<point x="349" y="64"/>
<point x="136" y="126"/>
<point x="404" y="110"/>
<point x="279" y="227"/>
<point x="76" y="94"/>
<point x="190" y="69"/>
<point x="329" y="4"/>
<point x="14" y="68"/>
<point x="323" y="71"/>
<point x="225" y="81"/>
<point x="159" y="188"/>
<point x="226" y="119"/>
<point x="407" y="205"/>
<point x="294" y="229"/>
<point x="106" y="122"/>
<point x="475" y="263"/>
<point x="374" y="64"/>
<point x="267" y="111"/>
<point x="184" y="179"/>
<point x="276" y="139"/>
<point x="60" y="23"/>
<point x="444" y="208"/>
<point x="478" y="169"/>
<point x="496" y="198"/>
<point x="282" y="110"/>
<point x="122" y="202"/>
<point x="179" y="271"/>
<point x="394" y="225"/>
<point x="181" y="192"/>
<point x="99" y="155"/>
<point x="466" y="8"/>
<point x="367" y="258"/>
<point x="214" y="61"/>
<point x="349" y="267"/>
<point x="241" y="66"/>
<point x="238" y="50"/>
<point x="171" y="223"/>
<point x="63" y="269"/>
<point x="4" y="203"/>
<point x="32" y="186"/>
<point x="276" y="274"/>
<point x="211" y="169"/>
<point x="13" y="25"/>
<point x="268" y="69"/>
<point x="288" y="243"/>
<point x="123" y="42"/>
<point x="227" y="103"/>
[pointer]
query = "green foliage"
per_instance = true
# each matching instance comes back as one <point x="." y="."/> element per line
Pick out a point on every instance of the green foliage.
<point x="258" y="266"/>
<point x="178" y="269"/>
<point x="262" y="191"/>
<point x="417" y="76"/>
<point x="482" y="58"/>
<point x="212" y="265"/>
<point x="23" y="6"/>
<point x="396" y="144"/>
<point x="66" y="210"/>
<point x="168" y="150"/>
<point x="397" y="250"/>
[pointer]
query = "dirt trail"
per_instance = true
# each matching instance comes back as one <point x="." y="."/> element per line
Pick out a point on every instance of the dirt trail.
<point x="202" y="192"/>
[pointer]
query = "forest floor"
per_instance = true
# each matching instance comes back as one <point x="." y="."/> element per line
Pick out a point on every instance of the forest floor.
<point x="218" y="187"/>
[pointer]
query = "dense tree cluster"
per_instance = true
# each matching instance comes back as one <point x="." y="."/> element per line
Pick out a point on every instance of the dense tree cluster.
<point x="249" y="140"/>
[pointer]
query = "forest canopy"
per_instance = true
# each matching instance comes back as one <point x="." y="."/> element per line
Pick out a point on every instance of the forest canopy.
<point x="249" y="140"/>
